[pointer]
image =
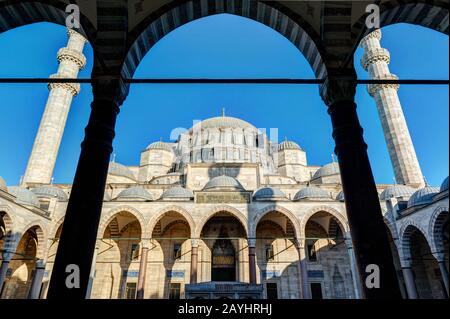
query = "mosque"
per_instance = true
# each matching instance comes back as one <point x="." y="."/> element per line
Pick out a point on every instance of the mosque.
<point x="223" y="212"/>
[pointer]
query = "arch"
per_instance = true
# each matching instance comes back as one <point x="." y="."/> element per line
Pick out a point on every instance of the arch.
<point x="8" y="219"/>
<point x="432" y="15"/>
<point x="41" y="236"/>
<point x="171" y="208"/>
<point x="108" y="217"/>
<point x="16" y="14"/>
<point x="217" y="209"/>
<point x="275" y="208"/>
<point x="179" y="12"/>
<point x="435" y="231"/>
<point x="406" y="232"/>
<point x="342" y="221"/>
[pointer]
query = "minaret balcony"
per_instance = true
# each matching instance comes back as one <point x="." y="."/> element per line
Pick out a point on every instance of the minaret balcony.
<point x="374" y="56"/>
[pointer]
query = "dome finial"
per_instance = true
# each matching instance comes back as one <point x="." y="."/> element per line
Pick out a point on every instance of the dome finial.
<point x="333" y="159"/>
<point x="395" y="180"/>
<point x="223" y="112"/>
<point x="425" y="181"/>
<point x="113" y="158"/>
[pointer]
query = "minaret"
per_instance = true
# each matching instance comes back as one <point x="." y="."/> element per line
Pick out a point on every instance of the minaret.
<point x="46" y="145"/>
<point x="401" y="150"/>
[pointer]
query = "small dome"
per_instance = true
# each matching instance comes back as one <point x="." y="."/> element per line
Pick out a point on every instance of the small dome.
<point x="327" y="170"/>
<point x="3" y="185"/>
<point x="289" y="145"/>
<point x="135" y="192"/>
<point x="120" y="170"/>
<point x="160" y="146"/>
<point x="340" y="196"/>
<point x="423" y="196"/>
<point x="444" y="185"/>
<point x="24" y="196"/>
<point x="50" y="191"/>
<point x="396" y="191"/>
<point x="268" y="193"/>
<point x="177" y="192"/>
<point x="223" y="181"/>
<point x="311" y="192"/>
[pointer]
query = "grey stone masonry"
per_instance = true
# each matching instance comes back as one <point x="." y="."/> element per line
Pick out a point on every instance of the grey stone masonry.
<point x="48" y="139"/>
<point x="401" y="150"/>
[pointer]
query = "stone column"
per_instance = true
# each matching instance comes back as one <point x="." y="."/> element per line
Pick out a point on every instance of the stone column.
<point x="79" y="234"/>
<point x="142" y="270"/>
<point x="355" y="276"/>
<point x="302" y="268"/>
<point x="444" y="274"/>
<point x="36" y="281"/>
<point x="252" y="260"/>
<point x="6" y="258"/>
<point x="48" y="139"/>
<point x="92" y="274"/>
<point x="194" y="261"/>
<point x="401" y="149"/>
<point x="368" y="232"/>
<point x="408" y="276"/>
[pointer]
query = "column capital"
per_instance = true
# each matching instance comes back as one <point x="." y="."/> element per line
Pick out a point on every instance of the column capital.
<point x="194" y="242"/>
<point x="300" y="243"/>
<point x="145" y="243"/>
<point x="339" y="87"/>
<point x="251" y="242"/>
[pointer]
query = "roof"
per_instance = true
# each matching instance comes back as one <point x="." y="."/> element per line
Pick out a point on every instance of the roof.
<point x="444" y="185"/>
<point x="24" y="196"/>
<point x="423" y="196"/>
<point x="223" y="181"/>
<point x="160" y="146"/>
<point x="50" y="191"/>
<point x="396" y="191"/>
<point x="311" y="192"/>
<point x="3" y="185"/>
<point x="268" y="193"/>
<point x="117" y="169"/>
<point x="177" y="192"/>
<point x="288" y="145"/>
<point x="135" y="192"/>
<point x="340" y="196"/>
<point x="223" y="122"/>
<point x="327" y="170"/>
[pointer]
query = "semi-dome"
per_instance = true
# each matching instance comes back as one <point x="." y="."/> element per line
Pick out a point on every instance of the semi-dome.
<point x="24" y="196"/>
<point x="311" y="192"/>
<point x="177" y="192"/>
<point x="225" y="182"/>
<point x="223" y="122"/>
<point x="288" y="145"/>
<point x="327" y="170"/>
<point x="135" y="192"/>
<point x="396" y="191"/>
<point x="117" y="169"/>
<point x="160" y="146"/>
<point x="423" y="196"/>
<point x="50" y="191"/>
<point x="340" y="196"/>
<point x="3" y="185"/>
<point x="444" y="185"/>
<point x="269" y="193"/>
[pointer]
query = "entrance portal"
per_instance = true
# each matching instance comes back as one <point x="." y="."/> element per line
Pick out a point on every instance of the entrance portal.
<point x="223" y="261"/>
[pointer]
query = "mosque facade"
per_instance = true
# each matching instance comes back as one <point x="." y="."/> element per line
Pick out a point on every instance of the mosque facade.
<point x="223" y="212"/>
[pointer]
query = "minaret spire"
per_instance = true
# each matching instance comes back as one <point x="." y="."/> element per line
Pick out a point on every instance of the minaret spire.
<point x="401" y="150"/>
<point x="48" y="139"/>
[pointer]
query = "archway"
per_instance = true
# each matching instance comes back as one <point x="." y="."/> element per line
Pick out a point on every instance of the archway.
<point x="427" y="277"/>
<point x="169" y="254"/>
<point x="223" y="247"/>
<point x="440" y="234"/>
<point x="277" y="256"/>
<point x="23" y="263"/>
<point x="327" y="254"/>
<point x="117" y="260"/>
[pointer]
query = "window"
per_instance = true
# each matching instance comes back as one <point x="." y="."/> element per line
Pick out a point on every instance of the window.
<point x="44" y="204"/>
<point x="134" y="251"/>
<point x="269" y="252"/>
<point x="176" y="251"/>
<point x="130" y="290"/>
<point x="312" y="256"/>
<point x="316" y="290"/>
<point x="174" y="291"/>
<point x="272" y="290"/>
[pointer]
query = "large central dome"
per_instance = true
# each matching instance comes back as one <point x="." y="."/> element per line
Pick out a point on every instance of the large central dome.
<point x="223" y="122"/>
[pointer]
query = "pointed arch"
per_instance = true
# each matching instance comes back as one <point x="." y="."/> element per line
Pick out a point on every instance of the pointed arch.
<point x="41" y="237"/>
<point x="221" y="208"/>
<point x="172" y="208"/>
<point x="435" y="231"/>
<point x="274" y="208"/>
<point x="342" y="221"/>
<point x="406" y="233"/>
<point x="108" y="217"/>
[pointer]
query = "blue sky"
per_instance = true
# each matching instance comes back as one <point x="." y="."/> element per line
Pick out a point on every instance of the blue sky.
<point x="218" y="47"/>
